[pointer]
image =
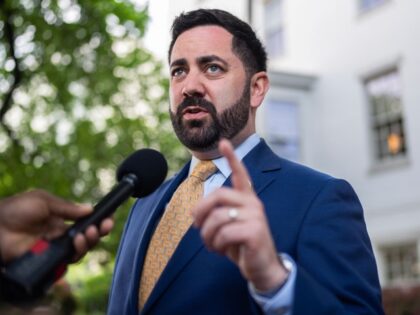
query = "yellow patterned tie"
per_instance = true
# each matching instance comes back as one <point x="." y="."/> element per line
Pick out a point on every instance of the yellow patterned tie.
<point x="172" y="227"/>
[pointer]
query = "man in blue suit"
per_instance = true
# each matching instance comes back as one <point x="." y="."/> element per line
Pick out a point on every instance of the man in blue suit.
<point x="268" y="236"/>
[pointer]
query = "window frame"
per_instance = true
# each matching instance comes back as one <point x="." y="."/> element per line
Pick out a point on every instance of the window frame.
<point x="275" y="29"/>
<point x="396" y="250"/>
<point x="380" y="164"/>
<point x="279" y="142"/>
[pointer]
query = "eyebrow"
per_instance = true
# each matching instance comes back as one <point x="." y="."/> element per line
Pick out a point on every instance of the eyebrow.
<point x="210" y="58"/>
<point x="178" y="62"/>
<point x="200" y="60"/>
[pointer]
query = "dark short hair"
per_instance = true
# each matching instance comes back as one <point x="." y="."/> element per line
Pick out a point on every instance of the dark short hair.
<point x="245" y="43"/>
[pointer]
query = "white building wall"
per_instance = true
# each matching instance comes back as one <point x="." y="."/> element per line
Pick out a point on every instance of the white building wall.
<point x="342" y="47"/>
<point x="334" y="42"/>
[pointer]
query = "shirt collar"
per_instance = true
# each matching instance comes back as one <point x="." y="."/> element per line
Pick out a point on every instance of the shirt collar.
<point x="240" y="152"/>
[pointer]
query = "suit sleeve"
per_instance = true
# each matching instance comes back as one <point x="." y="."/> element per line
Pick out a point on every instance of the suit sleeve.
<point x="336" y="269"/>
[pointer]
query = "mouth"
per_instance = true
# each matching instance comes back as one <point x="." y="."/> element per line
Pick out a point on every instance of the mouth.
<point x="194" y="112"/>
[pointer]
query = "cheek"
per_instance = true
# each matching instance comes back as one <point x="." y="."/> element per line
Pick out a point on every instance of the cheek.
<point x="225" y="96"/>
<point x="173" y="99"/>
<point x="172" y="105"/>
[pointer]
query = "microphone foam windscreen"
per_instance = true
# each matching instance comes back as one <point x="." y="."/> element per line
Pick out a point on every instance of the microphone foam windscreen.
<point x="150" y="168"/>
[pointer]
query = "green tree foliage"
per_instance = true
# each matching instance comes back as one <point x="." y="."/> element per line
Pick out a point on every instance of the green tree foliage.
<point x="78" y="93"/>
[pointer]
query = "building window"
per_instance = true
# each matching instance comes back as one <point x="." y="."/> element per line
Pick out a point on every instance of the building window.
<point x="387" y="122"/>
<point x="370" y="4"/>
<point x="401" y="264"/>
<point x="282" y="132"/>
<point x="274" y="27"/>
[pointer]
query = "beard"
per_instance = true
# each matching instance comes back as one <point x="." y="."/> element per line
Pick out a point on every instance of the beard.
<point x="204" y="134"/>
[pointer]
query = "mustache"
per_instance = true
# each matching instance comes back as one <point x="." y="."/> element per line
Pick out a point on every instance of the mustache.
<point x="196" y="101"/>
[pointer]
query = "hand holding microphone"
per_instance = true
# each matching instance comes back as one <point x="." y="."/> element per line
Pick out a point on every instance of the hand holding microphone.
<point x="35" y="214"/>
<point x="30" y="275"/>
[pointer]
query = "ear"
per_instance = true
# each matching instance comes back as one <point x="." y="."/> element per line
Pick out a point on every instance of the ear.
<point x="259" y="87"/>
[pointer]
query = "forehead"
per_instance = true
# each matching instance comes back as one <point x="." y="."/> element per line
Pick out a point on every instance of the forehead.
<point x="203" y="40"/>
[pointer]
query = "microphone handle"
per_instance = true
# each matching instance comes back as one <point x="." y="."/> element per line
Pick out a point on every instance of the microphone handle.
<point x="30" y="275"/>
<point x="107" y="206"/>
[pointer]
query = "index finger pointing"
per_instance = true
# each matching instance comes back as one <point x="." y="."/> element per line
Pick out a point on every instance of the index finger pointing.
<point x="240" y="177"/>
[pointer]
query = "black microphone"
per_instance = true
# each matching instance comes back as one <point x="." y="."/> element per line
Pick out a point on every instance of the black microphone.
<point x="29" y="276"/>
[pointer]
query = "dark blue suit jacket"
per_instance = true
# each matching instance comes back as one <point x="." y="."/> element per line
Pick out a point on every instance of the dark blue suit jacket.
<point x="313" y="217"/>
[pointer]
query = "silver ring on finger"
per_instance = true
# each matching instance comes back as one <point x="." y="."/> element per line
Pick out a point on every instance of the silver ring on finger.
<point x="233" y="214"/>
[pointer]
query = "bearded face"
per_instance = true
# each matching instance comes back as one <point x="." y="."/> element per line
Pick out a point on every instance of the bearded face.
<point x="203" y="134"/>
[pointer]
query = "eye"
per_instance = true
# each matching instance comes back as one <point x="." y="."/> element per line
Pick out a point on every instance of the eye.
<point x="214" y="68"/>
<point x="177" y="72"/>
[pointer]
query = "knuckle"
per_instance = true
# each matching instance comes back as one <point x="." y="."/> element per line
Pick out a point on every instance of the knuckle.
<point x="38" y="192"/>
<point x="223" y="235"/>
<point x="223" y="191"/>
<point x="218" y="215"/>
<point x="259" y="229"/>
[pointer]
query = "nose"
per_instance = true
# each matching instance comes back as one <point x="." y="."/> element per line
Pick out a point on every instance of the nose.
<point x="193" y="86"/>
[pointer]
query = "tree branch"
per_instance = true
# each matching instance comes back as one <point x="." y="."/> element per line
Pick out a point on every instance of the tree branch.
<point x="17" y="74"/>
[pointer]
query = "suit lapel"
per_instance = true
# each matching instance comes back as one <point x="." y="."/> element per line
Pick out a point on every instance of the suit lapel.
<point x="260" y="162"/>
<point x="189" y="246"/>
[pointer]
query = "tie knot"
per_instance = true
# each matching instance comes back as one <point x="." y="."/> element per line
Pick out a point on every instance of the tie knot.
<point x="204" y="169"/>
